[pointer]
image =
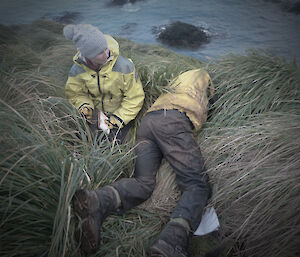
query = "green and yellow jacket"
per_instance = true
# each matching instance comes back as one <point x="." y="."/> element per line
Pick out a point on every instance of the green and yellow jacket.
<point x="188" y="93"/>
<point x="115" y="89"/>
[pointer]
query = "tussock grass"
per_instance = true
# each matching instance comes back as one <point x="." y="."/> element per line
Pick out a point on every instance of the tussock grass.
<point x="39" y="174"/>
<point x="250" y="143"/>
<point x="255" y="173"/>
<point x="252" y="84"/>
<point x="18" y="57"/>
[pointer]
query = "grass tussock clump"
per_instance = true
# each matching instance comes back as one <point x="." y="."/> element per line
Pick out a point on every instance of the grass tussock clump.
<point x="39" y="173"/>
<point x="250" y="143"/>
<point x="255" y="173"/>
<point x="252" y="148"/>
<point x="253" y="84"/>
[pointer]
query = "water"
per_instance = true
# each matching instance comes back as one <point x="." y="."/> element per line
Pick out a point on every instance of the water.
<point x="234" y="25"/>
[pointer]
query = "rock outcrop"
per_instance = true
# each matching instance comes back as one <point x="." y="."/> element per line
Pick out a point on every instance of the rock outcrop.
<point x="181" y="35"/>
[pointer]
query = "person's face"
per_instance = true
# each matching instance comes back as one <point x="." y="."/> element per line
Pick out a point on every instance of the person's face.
<point x="101" y="58"/>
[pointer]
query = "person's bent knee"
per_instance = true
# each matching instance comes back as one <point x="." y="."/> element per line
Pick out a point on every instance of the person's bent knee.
<point x="147" y="185"/>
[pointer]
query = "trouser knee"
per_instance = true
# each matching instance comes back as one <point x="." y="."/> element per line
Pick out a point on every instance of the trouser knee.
<point x="146" y="185"/>
<point x="133" y="191"/>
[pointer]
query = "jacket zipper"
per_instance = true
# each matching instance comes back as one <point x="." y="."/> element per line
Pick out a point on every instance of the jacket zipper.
<point x="99" y="88"/>
<point x="98" y="82"/>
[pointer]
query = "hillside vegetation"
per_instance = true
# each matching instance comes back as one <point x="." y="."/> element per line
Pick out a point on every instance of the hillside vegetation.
<point x="251" y="144"/>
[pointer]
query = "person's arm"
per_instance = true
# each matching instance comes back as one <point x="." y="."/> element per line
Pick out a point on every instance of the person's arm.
<point x="78" y="95"/>
<point x="132" y="101"/>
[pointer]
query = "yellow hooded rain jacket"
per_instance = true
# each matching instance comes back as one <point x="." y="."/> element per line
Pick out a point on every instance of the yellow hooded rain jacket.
<point x="188" y="93"/>
<point x="116" y="89"/>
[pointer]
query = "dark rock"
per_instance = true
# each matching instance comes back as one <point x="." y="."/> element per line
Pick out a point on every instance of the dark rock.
<point x="68" y="17"/>
<point x="122" y="2"/>
<point x="292" y="7"/>
<point x="128" y="28"/>
<point x="181" y="35"/>
<point x="65" y="17"/>
<point x="273" y="1"/>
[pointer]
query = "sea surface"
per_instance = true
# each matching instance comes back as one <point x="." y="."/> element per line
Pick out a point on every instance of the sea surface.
<point x="235" y="26"/>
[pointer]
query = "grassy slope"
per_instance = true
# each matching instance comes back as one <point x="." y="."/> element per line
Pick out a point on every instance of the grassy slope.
<point x="251" y="144"/>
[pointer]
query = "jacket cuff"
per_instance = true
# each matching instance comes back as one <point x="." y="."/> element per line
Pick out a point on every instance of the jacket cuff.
<point x="117" y="120"/>
<point x="85" y="105"/>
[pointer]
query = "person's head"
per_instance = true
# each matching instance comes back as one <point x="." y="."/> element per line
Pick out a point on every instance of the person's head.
<point x="89" y="40"/>
<point x="100" y="58"/>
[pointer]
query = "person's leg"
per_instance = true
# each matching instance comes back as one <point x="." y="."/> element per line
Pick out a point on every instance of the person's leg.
<point x="174" y="239"/>
<point x="133" y="191"/>
<point x="93" y="206"/>
<point x="192" y="180"/>
<point x="178" y="146"/>
<point x="183" y="153"/>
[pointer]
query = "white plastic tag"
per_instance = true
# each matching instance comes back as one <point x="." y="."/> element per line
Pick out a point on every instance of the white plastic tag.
<point x="209" y="222"/>
<point x="101" y="123"/>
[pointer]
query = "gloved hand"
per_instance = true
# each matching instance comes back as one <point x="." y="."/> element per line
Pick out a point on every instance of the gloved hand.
<point x="87" y="112"/>
<point x="113" y="123"/>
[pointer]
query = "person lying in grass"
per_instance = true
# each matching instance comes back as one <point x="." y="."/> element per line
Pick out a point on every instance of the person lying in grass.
<point x="102" y="82"/>
<point x="166" y="131"/>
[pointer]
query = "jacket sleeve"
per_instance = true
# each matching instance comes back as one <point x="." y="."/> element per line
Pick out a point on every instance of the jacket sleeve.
<point x="133" y="98"/>
<point x="77" y="93"/>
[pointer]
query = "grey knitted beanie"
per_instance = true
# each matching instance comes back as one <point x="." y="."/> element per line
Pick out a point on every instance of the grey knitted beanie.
<point x="89" y="40"/>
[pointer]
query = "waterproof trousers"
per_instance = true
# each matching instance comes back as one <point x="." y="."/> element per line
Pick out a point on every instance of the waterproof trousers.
<point x="168" y="134"/>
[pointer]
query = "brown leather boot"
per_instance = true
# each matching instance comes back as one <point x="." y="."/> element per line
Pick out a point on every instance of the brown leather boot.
<point x="92" y="207"/>
<point x="172" y="242"/>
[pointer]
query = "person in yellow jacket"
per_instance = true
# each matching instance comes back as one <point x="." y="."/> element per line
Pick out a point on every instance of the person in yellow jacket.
<point x="101" y="81"/>
<point x="166" y="131"/>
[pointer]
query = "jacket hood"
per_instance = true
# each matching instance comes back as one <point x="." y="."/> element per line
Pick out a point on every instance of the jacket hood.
<point x="113" y="45"/>
<point x="188" y="93"/>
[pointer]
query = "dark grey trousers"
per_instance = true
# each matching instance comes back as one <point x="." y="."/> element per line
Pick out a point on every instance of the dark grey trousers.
<point x="167" y="134"/>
